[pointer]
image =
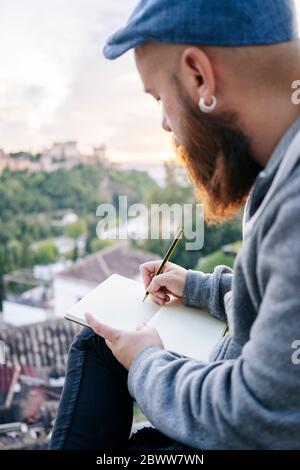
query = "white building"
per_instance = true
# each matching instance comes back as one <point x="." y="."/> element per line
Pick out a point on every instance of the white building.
<point x="67" y="154"/>
<point x="16" y="314"/>
<point x="66" y="150"/>
<point x="73" y="283"/>
<point x="60" y="154"/>
<point x="100" y="156"/>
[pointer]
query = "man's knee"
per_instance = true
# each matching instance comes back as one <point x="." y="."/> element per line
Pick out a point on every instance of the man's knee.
<point x="81" y="338"/>
<point x="87" y="340"/>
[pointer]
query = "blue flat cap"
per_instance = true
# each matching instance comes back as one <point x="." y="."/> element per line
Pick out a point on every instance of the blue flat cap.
<point x="206" y="22"/>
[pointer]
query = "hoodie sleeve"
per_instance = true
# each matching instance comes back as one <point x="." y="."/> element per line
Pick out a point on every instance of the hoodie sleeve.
<point x="208" y="290"/>
<point x="253" y="401"/>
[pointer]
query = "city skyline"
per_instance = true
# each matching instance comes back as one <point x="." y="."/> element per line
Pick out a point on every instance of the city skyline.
<point x="55" y="84"/>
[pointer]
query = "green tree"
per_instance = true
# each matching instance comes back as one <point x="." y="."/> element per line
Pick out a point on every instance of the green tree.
<point x="2" y="272"/>
<point x="76" y="230"/>
<point x="208" y="264"/>
<point x="15" y="253"/>
<point x="47" y="253"/>
<point x="27" y="260"/>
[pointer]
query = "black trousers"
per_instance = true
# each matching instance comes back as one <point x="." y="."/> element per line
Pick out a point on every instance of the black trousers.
<point x="96" y="409"/>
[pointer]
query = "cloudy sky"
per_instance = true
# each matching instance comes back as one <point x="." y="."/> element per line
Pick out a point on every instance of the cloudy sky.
<point x="55" y="85"/>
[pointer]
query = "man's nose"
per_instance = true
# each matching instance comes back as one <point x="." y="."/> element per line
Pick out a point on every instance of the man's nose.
<point x="165" y="124"/>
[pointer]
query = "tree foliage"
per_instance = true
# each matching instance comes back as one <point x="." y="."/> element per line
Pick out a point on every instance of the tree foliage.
<point x="47" y="253"/>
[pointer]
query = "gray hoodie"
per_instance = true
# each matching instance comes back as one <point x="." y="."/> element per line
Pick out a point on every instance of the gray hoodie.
<point x="248" y="395"/>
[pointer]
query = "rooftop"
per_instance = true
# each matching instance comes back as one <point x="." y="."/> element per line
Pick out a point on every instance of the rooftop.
<point x="117" y="259"/>
<point x="37" y="346"/>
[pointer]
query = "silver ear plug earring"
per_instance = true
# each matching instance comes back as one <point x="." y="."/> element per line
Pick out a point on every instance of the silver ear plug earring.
<point x="208" y="108"/>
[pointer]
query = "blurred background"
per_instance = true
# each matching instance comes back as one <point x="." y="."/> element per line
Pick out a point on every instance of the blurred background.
<point x="76" y="131"/>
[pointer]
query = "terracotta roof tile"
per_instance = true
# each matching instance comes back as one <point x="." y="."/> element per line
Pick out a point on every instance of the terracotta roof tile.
<point x="38" y="346"/>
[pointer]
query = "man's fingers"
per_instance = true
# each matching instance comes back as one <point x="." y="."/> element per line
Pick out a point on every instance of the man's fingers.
<point x="160" y="294"/>
<point x="151" y="266"/>
<point x="158" y="282"/>
<point x="147" y="278"/>
<point x="149" y="269"/>
<point x="158" y="300"/>
<point x="105" y="331"/>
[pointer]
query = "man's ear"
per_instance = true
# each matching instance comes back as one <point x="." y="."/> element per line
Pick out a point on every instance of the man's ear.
<point x="197" y="74"/>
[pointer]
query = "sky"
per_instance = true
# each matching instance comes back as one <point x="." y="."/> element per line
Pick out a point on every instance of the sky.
<point x="55" y="85"/>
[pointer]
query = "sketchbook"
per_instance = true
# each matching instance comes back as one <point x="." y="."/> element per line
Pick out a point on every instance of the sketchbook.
<point x="118" y="302"/>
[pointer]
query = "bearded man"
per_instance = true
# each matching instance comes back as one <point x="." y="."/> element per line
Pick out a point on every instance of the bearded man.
<point x="223" y="71"/>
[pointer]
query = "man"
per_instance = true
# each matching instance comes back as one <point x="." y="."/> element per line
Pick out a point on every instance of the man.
<point x="223" y="72"/>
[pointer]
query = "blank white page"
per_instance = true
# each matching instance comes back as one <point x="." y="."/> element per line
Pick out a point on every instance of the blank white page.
<point x="118" y="302"/>
<point x="187" y="331"/>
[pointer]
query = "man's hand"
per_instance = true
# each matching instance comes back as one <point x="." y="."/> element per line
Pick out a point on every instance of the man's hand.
<point x="170" y="282"/>
<point x="125" y="345"/>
